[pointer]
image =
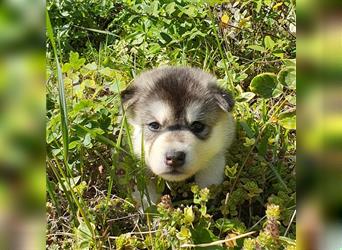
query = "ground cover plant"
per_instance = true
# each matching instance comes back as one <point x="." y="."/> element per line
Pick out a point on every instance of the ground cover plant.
<point x="94" y="50"/>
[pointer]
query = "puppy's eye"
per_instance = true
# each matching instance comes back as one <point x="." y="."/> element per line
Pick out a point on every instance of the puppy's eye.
<point x="197" y="127"/>
<point x="154" y="126"/>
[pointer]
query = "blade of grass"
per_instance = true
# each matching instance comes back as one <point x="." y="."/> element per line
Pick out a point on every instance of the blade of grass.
<point x="76" y="200"/>
<point x="142" y="181"/>
<point x="124" y="119"/>
<point x="103" y="139"/>
<point x="218" y="242"/>
<point x="61" y="94"/>
<point x="219" y="46"/>
<point x="291" y="220"/>
<point x="106" y="32"/>
<point x="278" y="176"/>
<point x="52" y="196"/>
<point x="115" y="158"/>
<point x="65" y="135"/>
<point x="65" y="191"/>
<point x="142" y="185"/>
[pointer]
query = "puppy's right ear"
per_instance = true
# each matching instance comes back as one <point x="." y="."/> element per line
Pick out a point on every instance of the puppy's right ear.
<point x="223" y="98"/>
<point x="129" y="96"/>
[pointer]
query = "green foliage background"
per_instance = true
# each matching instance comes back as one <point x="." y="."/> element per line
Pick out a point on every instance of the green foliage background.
<point x="94" y="50"/>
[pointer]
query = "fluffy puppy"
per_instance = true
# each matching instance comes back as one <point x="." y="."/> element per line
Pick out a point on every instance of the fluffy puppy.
<point x="183" y="120"/>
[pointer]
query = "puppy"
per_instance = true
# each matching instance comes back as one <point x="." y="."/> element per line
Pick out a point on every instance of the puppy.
<point x="183" y="120"/>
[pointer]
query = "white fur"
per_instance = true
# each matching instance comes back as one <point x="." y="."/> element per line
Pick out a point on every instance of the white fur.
<point x="193" y="112"/>
<point x="221" y="138"/>
<point x="155" y="154"/>
<point x="213" y="173"/>
<point x="204" y="158"/>
<point x="160" y="110"/>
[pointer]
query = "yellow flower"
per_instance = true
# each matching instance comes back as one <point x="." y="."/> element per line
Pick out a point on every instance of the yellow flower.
<point x="225" y="19"/>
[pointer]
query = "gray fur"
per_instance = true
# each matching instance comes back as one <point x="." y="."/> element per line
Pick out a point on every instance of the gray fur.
<point x="176" y="97"/>
<point x="178" y="86"/>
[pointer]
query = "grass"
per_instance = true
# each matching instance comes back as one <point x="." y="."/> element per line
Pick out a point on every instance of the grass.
<point x="91" y="167"/>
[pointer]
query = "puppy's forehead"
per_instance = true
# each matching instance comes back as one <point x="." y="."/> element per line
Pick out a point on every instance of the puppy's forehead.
<point x="158" y="110"/>
<point x="152" y="77"/>
<point x="204" y="111"/>
<point x="195" y="111"/>
<point x="178" y="87"/>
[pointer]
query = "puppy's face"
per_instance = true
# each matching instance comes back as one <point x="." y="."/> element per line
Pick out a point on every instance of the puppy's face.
<point x="182" y="119"/>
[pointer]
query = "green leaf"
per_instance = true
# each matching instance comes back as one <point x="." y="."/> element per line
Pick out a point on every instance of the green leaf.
<point x="117" y="86"/>
<point x="278" y="54"/>
<point x="170" y="8"/>
<point x="191" y="11"/>
<point x="245" y="97"/>
<point x="75" y="61"/>
<point x="278" y="90"/>
<point x="291" y="99"/>
<point x="196" y="33"/>
<point x="265" y="85"/>
<point x="73" y="144"/>
<point x="262" y="144"/>
<point x="154" y="48"/>
<point x="287" y="77"/>
<point x="268" y="2"/>
<point x="257" y="48"/>
<point x="83" y="235"/>
<point x="66" y="67"/>
<point x="69" y="182"/>
<point x="224" y="224"/>
<point x="166" y="37"/>
<point x="288" y="240"/>
<point x="91" y="66"/>
<point x="90" y="83"/>
<point x="201" y="235"/>
<point x="153" y="8"/>
<point x="138" y="40"/>
<point x="230" y="172"/>
<point x="269" y="43"/>
<point x="288" y="120"/>
<point x="258" y="7"/>
<point x="108" y="72"/>
<point x="289" y="62"/>
<point x="247" y="129"/>
<point x="87" y="141"/>
<point x="213" y="2"/>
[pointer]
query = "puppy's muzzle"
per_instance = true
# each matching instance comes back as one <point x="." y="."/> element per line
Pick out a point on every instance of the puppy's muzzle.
<point x="175" y="159"/>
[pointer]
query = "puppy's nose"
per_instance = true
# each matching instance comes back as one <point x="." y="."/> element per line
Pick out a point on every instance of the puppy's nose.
<point x="175" y="159"/>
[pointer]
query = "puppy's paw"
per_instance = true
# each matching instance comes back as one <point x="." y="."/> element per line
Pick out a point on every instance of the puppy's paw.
<point x="146" y="199"/>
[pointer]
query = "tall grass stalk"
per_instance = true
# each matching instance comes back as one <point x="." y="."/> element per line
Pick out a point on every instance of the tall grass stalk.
<point x="223" y="56"/>
<point x="65" y="191"/>
<point x="115" y="161"/>
<point x="53" y="197"/>
<point x="60" y="174"/>
<point x="78" y="201"/>
<point x="61" y="94"/>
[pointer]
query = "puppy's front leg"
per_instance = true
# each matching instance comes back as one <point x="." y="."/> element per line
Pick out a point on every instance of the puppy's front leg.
<point x="213" y="173"/>
<point x="151" y="198"/>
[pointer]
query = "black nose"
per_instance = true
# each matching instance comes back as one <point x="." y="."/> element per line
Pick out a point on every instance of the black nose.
<point x="175" y="159"/>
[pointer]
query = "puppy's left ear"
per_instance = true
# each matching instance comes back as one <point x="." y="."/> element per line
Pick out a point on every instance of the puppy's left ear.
<point x="224" y="99"/>
<point x="129" y="96"/>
